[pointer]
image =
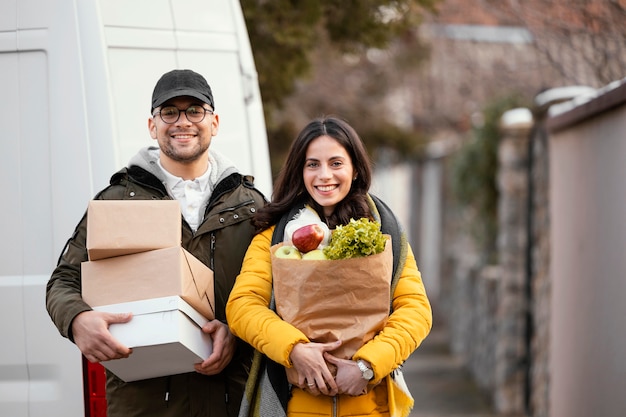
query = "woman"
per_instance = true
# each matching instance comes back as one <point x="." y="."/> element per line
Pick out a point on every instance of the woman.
<point x="328" y="169"/>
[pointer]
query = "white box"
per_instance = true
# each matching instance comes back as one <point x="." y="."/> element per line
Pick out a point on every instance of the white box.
<point x="165" y="335"/>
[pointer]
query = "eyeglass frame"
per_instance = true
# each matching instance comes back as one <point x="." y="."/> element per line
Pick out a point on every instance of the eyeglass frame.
<point x="209" y="111"/>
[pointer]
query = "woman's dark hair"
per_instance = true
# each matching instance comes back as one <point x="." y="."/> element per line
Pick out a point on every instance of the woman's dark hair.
<point x="289" y="188"/>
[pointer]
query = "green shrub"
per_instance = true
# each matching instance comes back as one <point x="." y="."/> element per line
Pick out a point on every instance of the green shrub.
<point x="473" y="176"/>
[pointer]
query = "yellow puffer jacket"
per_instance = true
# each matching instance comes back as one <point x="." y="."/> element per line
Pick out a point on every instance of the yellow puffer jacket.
<point x="250" y="319"/>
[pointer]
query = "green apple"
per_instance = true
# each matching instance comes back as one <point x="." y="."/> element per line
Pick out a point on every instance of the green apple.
<point x="288" y="252"/>
<point x="316" y="254"/>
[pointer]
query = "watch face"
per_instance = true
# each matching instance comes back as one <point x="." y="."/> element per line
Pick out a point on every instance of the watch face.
<point x="365" y="371"/>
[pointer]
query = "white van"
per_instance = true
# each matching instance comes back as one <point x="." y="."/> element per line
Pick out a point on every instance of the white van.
<point x="76" y="79"/>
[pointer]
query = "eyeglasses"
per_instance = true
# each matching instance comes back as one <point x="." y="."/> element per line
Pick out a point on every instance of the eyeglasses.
<point x="171" y="114"/>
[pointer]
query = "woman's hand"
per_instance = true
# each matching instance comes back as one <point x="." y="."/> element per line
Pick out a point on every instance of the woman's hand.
<point x="312" y="371"/>
<point x="349" y="377"/>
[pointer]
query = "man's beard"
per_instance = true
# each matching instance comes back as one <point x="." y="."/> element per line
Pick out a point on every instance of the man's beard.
<point x="185" y="156"/>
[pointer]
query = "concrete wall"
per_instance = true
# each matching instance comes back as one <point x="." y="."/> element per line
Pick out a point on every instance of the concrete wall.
<point x="588" y="258"/>
<point x="543" y="329"/>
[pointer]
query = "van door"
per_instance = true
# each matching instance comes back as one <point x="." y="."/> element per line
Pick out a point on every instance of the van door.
<point x="38" y="368"/>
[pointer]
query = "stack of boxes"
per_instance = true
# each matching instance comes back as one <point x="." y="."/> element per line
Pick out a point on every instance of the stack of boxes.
<point x="137" y="264"/>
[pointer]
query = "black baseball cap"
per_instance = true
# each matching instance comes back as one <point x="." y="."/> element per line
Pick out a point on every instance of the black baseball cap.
<point x="181" y="82"/>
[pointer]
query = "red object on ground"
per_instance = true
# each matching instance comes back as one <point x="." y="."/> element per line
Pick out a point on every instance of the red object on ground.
<point x="94" y="387"/>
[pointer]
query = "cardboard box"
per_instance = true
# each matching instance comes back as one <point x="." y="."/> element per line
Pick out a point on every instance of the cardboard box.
<point x="165" y="335"/>
<point x="123" y="227"/>
<point x="152" y="274"/>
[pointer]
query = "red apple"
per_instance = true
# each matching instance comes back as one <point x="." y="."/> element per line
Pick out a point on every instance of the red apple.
<point x="307" y="238"/>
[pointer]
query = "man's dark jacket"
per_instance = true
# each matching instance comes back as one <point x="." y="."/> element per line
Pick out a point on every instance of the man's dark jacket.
<point x="220" y="242"/>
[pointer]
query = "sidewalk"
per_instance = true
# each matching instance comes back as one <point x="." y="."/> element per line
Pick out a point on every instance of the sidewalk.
<point x="439" y="382"/>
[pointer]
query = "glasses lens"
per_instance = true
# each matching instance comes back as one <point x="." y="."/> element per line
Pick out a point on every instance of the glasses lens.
<point x="195" y="114"/>
<point x="169" y="114"/>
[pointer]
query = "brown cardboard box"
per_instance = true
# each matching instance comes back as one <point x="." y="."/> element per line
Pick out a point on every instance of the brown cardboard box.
<point x="151" y="274"/>
<point x="122" y="227"/>
<point x="165" y="335"/>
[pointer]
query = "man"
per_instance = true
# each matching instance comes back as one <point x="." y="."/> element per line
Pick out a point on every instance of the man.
<point x="217" y="203"/>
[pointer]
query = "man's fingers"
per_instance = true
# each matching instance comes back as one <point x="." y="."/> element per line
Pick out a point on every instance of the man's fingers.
<point x="112" y="318"/>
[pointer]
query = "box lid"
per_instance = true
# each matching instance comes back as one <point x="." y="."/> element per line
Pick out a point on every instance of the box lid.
<point x="165" y="335"/>
<point x="155" y="305"/>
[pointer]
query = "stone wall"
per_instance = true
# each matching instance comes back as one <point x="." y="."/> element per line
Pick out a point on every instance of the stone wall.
<point x="499" y="314"/>
<point x="540" y="289"/>
<point x="511" y="353"/>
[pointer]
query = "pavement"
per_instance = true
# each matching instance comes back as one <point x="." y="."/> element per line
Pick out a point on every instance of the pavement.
<point x="439" y="381"/>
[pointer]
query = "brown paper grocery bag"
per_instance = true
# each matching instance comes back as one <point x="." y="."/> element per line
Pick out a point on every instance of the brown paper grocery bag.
<point x="329" y="300"/>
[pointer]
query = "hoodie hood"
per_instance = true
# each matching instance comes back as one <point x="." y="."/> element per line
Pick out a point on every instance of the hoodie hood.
<point x="220" y="166"/>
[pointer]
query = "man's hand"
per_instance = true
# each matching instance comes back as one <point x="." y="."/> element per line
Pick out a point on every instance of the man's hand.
<point x="224" y="345"/>
<point x="90" y="330"/>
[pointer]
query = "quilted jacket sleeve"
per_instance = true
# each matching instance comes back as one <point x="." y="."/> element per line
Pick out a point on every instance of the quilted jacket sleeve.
<point x="248" y="312"/>
<point x="408" y="325"/>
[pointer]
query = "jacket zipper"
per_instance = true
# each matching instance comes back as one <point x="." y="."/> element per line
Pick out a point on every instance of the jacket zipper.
<point x="212" y="250"/>
<point x="243" y="203"/>
<point x="335" y="406"/>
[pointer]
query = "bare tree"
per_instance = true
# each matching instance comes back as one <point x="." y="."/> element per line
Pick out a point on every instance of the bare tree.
<point x="584" y="40"/>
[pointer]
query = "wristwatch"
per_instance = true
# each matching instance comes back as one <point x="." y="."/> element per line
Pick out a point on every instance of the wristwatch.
<point x="366" y="372"/>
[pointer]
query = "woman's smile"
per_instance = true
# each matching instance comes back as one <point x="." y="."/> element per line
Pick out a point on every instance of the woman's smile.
<point x="328" y="172"/>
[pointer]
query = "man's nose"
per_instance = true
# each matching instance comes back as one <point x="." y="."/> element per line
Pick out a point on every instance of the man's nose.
<point x="182" y="119"/>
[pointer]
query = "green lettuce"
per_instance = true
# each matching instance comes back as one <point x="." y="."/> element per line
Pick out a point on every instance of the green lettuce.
<point x="356" y="239"/>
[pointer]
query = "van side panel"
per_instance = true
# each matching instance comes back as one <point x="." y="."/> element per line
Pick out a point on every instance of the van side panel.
<point x="37" y="367"/>
<point x="98" y="106"/>
<point x="13" y="370"/>
<point x="10" y="221"/>
<point x="76" y="79"/>
<point x="256" y="136"/>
